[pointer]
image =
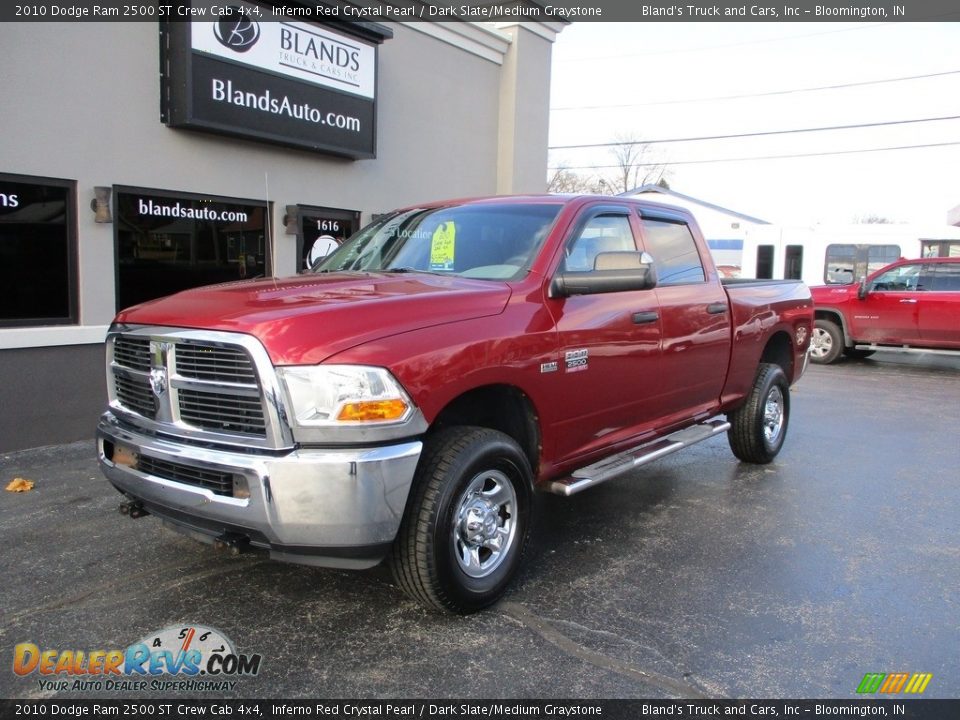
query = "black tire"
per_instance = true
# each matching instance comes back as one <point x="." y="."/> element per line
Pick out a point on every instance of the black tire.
<point x="855" y="354"/>
<point x="463" y="475"/>
<point x="759" y="426"/>
<point x="826" y="345"/>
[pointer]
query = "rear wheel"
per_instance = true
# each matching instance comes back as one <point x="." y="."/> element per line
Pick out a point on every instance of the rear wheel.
<point x="467" y="520"/>
<point x="826" y="342"/>
<point x="759" y="426"/>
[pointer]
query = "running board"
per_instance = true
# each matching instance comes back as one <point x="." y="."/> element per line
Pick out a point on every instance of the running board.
<point x="906" y="349"/>
<point x="621" y="463"/>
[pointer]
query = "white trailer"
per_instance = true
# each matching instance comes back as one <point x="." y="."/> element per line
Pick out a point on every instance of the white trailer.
<point x="837" y="254"/>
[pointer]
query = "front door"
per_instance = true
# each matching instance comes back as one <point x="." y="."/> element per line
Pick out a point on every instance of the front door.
<point x="889" y="313"/>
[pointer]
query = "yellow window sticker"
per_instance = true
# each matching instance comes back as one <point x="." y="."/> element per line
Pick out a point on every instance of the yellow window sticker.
<point x="442" y="246"/>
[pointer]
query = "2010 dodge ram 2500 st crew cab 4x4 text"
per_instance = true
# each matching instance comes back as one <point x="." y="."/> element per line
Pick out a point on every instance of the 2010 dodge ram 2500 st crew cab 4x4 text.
<point x="908" y="306"/>
<point x="407" y="398"/>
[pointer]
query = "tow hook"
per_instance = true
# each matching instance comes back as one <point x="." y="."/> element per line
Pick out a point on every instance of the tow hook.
<point x="232" y="543"/>
<point x="133" y="509"/>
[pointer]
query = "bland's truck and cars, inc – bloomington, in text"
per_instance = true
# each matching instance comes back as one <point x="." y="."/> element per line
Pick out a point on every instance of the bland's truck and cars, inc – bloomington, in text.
<point x="406" y="398"/>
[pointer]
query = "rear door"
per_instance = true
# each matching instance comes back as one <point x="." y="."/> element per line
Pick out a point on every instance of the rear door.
<point x="607" y="373"/>
<point x="694" y="318"/>
<point x="939" y="307"/>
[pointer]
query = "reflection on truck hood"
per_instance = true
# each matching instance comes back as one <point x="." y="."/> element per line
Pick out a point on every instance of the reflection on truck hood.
<point x="306" y="319"/>
<point x="828" y="293"/>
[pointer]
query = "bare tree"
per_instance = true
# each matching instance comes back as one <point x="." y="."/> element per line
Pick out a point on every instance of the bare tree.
<point x="872" y="219"/>
<point x="565" y="180"/>
<point x="635" y="166"/>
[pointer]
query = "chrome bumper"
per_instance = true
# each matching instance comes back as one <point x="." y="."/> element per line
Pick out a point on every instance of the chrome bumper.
<point x="335" y="507"/>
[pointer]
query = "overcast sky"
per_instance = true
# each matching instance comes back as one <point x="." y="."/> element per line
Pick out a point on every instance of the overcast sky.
<point x="599" y="68"/>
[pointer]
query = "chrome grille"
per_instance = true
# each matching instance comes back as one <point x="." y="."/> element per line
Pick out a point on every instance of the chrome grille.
<point x="135" y="394"/>
<point x="221" y="483"/>
<point x="215" y="363"/>
<point x="222" y="413"/>
<point x="133" y="353"/>
<point x="189" y="386"/>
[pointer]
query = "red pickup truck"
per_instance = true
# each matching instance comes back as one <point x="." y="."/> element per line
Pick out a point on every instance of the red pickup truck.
<point x="407" y="398"/>
<point x="908" y="306"/>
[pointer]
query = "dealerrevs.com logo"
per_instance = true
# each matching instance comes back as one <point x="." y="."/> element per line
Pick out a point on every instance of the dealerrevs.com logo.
<point x="188" y="658"/>
<point x="894" y="683"/>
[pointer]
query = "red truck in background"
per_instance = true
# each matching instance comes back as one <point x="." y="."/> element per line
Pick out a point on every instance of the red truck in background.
<point x="406" y="399"/>
<point x="909" y="306"/>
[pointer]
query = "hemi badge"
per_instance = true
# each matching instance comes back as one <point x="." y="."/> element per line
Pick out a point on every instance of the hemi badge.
<point x="549" y="367"/>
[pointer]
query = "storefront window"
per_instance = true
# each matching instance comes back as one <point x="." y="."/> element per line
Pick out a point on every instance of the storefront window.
<point x="37" y="251"/>
<point x="169" y="242"/>
<point x="321" y="231"/>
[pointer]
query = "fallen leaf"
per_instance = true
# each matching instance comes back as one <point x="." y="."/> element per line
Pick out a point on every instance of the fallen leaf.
<point x="20" y="485"/>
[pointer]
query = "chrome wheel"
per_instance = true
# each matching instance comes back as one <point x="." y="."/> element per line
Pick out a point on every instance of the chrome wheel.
<point x="485" y="526"/>
<point x="773" y="416"/>
<point x="821" y="343"/>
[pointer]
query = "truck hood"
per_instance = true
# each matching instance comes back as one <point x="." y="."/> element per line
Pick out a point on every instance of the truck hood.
<point x="305" y="319"/>
<point x="826" y="294"/>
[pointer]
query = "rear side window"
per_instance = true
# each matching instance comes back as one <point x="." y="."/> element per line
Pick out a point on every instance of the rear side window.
<point x="946" y="278"/>
<point x="674" y="252"/>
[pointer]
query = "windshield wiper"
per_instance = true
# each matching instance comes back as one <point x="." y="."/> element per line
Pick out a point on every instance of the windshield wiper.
<point x="408" y="269"/>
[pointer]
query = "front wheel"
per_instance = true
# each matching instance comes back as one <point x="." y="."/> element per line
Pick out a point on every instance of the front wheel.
<point x="467" y="520"/>
<point x="759" y="426"/>
<point x="826" y="342"/>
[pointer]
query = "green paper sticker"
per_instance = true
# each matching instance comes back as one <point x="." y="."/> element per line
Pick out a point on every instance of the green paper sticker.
<point x="442" y="246"/>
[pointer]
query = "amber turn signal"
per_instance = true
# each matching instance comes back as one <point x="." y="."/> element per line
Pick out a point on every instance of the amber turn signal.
<point x="373" y="411"/>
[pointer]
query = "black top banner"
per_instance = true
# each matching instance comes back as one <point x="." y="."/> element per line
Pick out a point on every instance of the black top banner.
<point x="509" y="11"/>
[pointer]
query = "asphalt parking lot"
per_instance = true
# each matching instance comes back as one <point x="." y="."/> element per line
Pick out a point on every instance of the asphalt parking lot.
<point x="697" y="576"/>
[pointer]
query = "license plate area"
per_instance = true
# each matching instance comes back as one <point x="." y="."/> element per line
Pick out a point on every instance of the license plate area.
<point x="121" y="455"/>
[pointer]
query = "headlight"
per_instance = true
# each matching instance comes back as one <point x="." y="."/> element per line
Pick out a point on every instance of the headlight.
<point x="344" y="395"/>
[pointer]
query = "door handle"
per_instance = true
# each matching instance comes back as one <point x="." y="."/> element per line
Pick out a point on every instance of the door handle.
<point x="643" y="318"/>
<point x="717" y="308"/>
<point x="909" y="300"/>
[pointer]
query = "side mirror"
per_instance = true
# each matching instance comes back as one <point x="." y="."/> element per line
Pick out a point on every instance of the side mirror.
<point x="862" y="288"/>
<point x="613" y="272"/>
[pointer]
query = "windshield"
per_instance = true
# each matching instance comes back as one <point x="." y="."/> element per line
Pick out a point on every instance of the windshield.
<point x="488" y="242"/>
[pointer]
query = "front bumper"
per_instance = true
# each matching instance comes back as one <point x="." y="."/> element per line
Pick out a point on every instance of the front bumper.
<point x="327" y="507"/>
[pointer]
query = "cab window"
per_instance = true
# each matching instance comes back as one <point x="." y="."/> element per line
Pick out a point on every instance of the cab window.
<point x="905" y="278"/>
<point x="674" y="252"/>
<point x="603" y="233"/>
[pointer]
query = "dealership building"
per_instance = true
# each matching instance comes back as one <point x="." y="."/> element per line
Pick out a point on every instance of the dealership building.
<point x="142" y="158"/>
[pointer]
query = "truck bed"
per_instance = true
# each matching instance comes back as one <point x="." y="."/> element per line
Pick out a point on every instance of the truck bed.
<point x="742" y="282"/>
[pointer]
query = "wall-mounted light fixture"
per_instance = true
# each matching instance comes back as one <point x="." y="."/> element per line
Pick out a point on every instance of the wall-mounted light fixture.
<point x="291" y="220"/>
<point x="101" y="204"/>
